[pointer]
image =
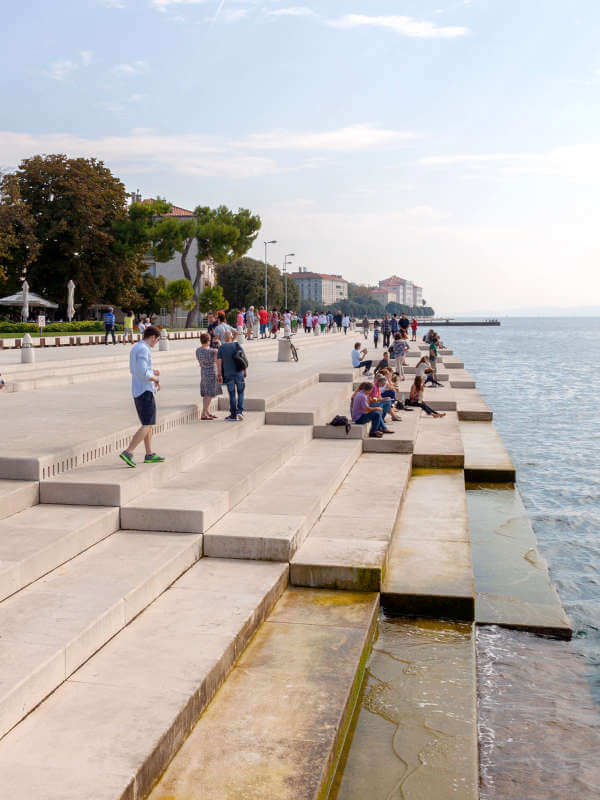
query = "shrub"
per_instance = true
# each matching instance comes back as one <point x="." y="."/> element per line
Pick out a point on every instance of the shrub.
<point x="89" y="326"/>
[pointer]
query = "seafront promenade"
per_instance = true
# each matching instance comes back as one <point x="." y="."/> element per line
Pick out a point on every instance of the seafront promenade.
<point x="211" y="616"/>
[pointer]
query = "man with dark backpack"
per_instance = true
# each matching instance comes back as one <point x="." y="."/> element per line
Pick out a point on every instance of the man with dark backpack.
<point x="232" y="366"/>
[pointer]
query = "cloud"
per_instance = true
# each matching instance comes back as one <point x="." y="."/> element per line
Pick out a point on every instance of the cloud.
<point x="61" y="69"/>
<point x="134" y="68"/>
<point x="86" y="57"/>
<point x="349" y="138"/>
<point x="404" y="26"/>
<point x="292" y="11"/>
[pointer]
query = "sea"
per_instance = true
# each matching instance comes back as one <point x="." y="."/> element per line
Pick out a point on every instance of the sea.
<point x="539" y="699"/>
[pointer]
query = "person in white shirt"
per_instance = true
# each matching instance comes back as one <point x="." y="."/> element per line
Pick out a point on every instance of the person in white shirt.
<point x="345" y="323"/>
<point x="287" y="322"/>
<point x="358" y="359"/>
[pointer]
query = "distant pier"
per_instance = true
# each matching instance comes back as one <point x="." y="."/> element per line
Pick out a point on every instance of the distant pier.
<point x="440" y="322"/>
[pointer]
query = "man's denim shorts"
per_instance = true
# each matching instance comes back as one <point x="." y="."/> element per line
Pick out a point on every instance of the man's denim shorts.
<point x="146" y="408"/>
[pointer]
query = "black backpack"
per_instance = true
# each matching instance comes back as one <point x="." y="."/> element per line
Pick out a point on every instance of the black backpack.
<point x="339" y="421"/>
<point x="240" y="359"/>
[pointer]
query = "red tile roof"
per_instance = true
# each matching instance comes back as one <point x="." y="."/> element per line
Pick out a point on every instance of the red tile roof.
<point x="175" y="211"/>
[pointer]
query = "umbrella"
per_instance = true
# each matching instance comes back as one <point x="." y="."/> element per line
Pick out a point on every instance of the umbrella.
<point x="33" y="299"/>
<point x="25" y="307"/>
<point x="70" y="300"/>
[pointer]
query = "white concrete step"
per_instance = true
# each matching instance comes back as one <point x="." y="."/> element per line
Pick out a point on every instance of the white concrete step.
<point x="471" y="406"/>
<point x="111" y="729"/>
<point x="16" y="496"/>
<point x="276" y="729"/>
<point x="272" y="521"/>
<point x="110" y="482"/>
<point x="347" y="548"/>
<point x="438" y="443"/>
<point x="430" y="569"/>
<point x="196" y="498"/>
<point x="36" y="541"/>
<point x="54" y="625"/>
<point x="486" y="457"/>
<point x="461" y="379"/>
<point x="315" y="405"/>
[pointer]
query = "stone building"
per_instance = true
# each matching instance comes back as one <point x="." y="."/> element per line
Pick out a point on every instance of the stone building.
<point x="320" y="287"/>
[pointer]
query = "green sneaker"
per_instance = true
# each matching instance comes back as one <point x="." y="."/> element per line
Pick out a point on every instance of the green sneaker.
<point x="127" y="458"/>
<point x="153" y="459"/>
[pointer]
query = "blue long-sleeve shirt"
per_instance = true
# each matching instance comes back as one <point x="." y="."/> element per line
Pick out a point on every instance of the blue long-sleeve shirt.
<point x="109" y="320"/>
<point x="140" y="366"/>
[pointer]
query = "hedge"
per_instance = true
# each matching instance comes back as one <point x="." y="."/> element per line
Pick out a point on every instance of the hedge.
<point x="55" y="327"/>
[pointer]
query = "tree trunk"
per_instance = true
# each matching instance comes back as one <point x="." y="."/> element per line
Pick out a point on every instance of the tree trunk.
<point x="192" y="317"/>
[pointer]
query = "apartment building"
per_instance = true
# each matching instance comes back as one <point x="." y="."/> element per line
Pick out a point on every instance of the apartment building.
<point x="320" y="287"/>
<point x="405" y="291"/>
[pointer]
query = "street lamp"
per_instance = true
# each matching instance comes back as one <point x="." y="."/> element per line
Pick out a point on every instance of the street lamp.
<point x="285" y="258"/>
<point x="273" y="241"/>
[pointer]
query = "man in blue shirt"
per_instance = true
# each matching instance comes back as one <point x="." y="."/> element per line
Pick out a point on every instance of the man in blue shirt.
<point x="144" y="383"/>
<point x="229" y="373"/>
<point x="358" y="361"/>
<point x="109" y="325"/>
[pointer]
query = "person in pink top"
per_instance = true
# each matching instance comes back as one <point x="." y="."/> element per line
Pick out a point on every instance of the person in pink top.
<point x="413" y="326"/>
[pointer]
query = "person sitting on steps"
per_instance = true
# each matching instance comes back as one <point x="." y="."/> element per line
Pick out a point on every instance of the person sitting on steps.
<point x="416" y="399"/>
<point x="358" y="359"/>
<point x="362" y="411"/>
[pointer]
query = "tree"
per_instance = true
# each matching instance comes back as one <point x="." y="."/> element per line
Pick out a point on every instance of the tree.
<point x="18" y="243"/>
<point x="243" y="282"/>
<point x="222" y="236"/>
<point x="211" y="300"/>
<point x="178" y="293"/>
<point x="147" y="300"/>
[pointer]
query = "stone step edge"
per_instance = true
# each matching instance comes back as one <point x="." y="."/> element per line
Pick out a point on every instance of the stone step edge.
<point x="14" y="707"/>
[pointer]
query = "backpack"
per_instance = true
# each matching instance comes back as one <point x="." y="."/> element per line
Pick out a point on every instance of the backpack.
<point x="240" y="359"/>
<point x="338" y="421"/>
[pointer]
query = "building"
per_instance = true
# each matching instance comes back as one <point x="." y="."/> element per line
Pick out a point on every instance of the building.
<point x="383" y="296"/>
<point x="417" y="295"/>
<point x="320" y="287"/>
<point x="173" y="270"/>
<point x="405" y="291"/>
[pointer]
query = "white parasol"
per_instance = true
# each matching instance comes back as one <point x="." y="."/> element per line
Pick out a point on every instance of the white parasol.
<point x="25" y="306"/>
<point x="70" y="300"/>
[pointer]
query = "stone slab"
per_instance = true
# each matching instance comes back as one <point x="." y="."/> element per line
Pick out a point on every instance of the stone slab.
<point x="430" y="571"/>
<point x="266" y="537"/>
<point x="312" y="406"/>
<point x="308" y="657"/>
<point x="402" y="440"/>
<point x="415" y="735"/>
<point x="486" y="458"/>
<point x="339" y="432"/>
<point x="471" y="406"/>
<point x="438" y="443"/>
<point x="460" y="379"/>
<point x="339" y="563"/>
<point x="16" y="496"/>
<point x="111" y="729"/>
<point x="52" y="626"/>
<point x="43" y="537"/>
<point x="512" y="582"/>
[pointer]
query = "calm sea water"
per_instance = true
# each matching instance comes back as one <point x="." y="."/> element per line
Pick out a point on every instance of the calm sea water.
<point x="539" y="699"/>
<point x="541" y="379"/>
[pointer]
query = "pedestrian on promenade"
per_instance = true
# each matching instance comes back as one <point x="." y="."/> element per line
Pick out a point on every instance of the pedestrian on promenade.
<point x="209" y="386"/>
<point x="250" y="322"/>
<point x="128" y="327"/>
<point x="398" y="351"/>
<point x="376" y="327"/>
<point x="263" y="319"/>
<point x="413" y="326"/>
<point x="287" y="322"/>
<point x="231" y="370"/>
<point x="315" y="323"/>
<point x="274" y="323"/>
<point x="386" y="327"/>
<point x="329" y="321"/>
<point x="362" y="411"/>
<point x="294" y="322"/>
<point x="109" y="325"/>
<point x="223" y="328"/>
<point x="141" y="324"/>
<point x="433" y="354"/>
<point x="358" y="359"/>
<point x="395" y="325"/>
<point x="404" y="323"/>
<point x="144" y="384"/>
<point x="345" y="323"/>
<point x="240" y="320"/>
<point x="322" y="322"/>
<point x="366" y="326"/>
<point x="305" y="319"/>
<point x="416" y="399"/>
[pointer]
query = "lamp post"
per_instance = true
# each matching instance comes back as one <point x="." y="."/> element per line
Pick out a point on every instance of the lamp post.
<point x="273" y="241"/>
<point x="285" y="258"/>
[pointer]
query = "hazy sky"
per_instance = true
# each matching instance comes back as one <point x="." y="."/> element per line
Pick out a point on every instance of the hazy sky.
<point x="456" y="144"/>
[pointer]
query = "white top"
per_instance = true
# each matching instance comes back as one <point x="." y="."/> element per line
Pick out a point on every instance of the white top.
<point x="346" y="321"/>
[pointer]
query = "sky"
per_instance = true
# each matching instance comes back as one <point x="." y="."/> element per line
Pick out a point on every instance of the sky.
<point x="455" y="143"/>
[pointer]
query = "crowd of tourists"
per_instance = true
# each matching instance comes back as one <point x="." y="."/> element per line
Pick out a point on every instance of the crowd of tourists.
<point x="374" y="401"/>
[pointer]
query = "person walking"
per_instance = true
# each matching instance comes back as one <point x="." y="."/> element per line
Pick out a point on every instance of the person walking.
<point x="366" y="326"/>
<point x="144" y="384"/>
<point x="274" y="323"/>
<point x="404" y="323"/>
<point x="395" y="324"/>
<point x="263" y="319"/>
<point x="128" y="327"/>
<point x="386" y="328"/>
<point x="345" y="323"/>
<point x="376" y="327"/>
<point x="109" y="325"/>
<point x="413" y="326"/>
<point x="209" y="386"/>
<point x="239" y="321"/>
<point x="231" y="371"/>
<point x="322" y="321"/>
<point x="223" y="328"/>
<point x="433" y="354"/>
<point x="287" y="322"/>
<point x="398" y="351"/>
<point x="250" y="322"/>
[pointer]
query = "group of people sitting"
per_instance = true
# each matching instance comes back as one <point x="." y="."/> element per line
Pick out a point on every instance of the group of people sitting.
<point x="373" y="401"/>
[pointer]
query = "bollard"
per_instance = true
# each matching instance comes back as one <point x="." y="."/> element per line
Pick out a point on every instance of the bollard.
<point x="27" y="354"/>
<point x="164" y="340"/>
<point x="284" y="350"/>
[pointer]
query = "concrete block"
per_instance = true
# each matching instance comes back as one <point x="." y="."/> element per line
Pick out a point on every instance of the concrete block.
<point x="471" y="406"/>
<point x="438" y="443"/>
<point x="262" y="537"/>
<point x="339" y="432"/>
<point x="339" y="564"/>
<point x="486" y="458"/>
<point x="175" y="509"/>
<point x="16" y="496"/>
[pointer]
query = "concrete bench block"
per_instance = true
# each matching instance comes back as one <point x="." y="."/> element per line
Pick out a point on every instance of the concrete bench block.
<point x="16" y="496"/>
<point x="339" y="564"/>
<point x="173" y="509"/>
<point x="339" y="432"/>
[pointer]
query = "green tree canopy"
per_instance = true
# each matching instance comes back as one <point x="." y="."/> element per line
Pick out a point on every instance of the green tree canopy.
<point x="243" y="282"/>
<point x="19" y="246"/>
<point x="212" y="299"/>
<point x="176" y="294"/>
